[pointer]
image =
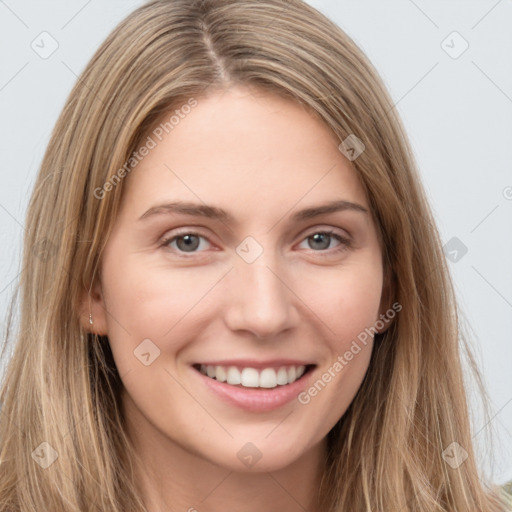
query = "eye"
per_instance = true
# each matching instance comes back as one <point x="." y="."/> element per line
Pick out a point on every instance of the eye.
<point x="190" y="241"/>
<point x="321" y="240"/>
<point x="186" y="242"/>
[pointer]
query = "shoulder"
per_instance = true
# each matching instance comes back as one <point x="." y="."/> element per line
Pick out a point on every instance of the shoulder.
<point x="507" y="489"/>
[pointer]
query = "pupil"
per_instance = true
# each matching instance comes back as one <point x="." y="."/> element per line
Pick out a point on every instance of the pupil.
<point x="189" y="242"/>
<point x="321" y="235"/>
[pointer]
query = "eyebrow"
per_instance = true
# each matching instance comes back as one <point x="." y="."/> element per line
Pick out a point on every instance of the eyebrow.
<point x="213" y="212"/>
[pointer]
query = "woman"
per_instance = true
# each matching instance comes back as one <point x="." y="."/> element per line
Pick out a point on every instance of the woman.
<point x="183" y="342"/>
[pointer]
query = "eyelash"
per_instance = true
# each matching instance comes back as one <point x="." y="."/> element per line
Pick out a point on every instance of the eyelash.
<point x="345" y="243"/>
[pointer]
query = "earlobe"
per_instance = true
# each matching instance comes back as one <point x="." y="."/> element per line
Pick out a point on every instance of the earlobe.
<point x="93" y="311"/>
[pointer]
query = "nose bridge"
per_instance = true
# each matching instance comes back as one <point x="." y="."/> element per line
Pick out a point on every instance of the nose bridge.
<point x="260" y="301"/>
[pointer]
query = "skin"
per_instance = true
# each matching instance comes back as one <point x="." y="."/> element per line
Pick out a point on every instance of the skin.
<point x="261" y="158"/>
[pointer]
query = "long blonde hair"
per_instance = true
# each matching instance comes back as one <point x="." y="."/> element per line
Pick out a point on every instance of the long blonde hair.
<point x="64" y="447"/>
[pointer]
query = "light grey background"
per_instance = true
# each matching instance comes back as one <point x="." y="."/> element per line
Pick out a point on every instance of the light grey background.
<point x="457" y="110"/>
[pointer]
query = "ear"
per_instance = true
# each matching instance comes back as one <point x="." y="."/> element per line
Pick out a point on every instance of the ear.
<point x="92" y="306"/>
<point x="388" y="293"/>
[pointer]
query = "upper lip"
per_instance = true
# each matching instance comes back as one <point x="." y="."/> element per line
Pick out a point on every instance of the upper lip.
<point x="251" y="363"/>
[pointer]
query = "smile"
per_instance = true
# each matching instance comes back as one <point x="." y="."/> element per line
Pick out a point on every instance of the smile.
<point x="248" y="377"/>
<point x="255" y="386"/>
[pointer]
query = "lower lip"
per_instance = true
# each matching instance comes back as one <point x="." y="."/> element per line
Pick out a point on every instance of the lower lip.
<point x="256" y="399"/>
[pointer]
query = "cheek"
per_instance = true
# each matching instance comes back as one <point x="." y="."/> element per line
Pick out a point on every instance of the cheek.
<point x="348" y="307"/>
<point x="346" y="300"/>
<point x="153" y="302"/>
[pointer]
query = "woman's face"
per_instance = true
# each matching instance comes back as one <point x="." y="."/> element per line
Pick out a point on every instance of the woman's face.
<point x="219" y="262"/>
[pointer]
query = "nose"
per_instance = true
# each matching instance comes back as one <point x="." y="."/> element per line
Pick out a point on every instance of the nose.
<point x="259" y="299"/>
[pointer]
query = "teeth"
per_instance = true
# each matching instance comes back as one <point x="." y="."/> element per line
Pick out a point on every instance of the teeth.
<point x="252" y="378"/>
<point x="233" y="376"/>
<point x="249" y="378"/>
<point x="282" y="376"/>
<point x="220" y="374"/>
<point x="268" y="378"/>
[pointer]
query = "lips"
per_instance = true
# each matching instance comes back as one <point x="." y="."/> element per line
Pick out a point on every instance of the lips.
<point x="256" y="387"/>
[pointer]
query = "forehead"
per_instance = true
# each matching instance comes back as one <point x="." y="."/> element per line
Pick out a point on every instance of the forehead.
<point x="244" y="149"/>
